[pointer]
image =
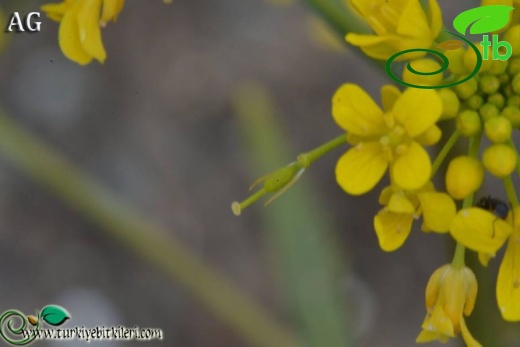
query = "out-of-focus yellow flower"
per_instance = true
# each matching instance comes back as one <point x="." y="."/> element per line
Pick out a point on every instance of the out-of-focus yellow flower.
<point x="450" y="295"/>
<point x="80" y="27"/>
<point x="398" y="25"/>
<point x="383" y="140"/>
<point x="508" y="282"/>
<point x="394" y="222"/>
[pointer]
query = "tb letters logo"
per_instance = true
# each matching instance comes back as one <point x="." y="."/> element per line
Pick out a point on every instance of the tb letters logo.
<point x="480" y="20"/>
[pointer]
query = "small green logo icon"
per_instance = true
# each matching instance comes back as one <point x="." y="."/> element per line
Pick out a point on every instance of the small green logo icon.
<point x="479" y="20"/>
<point x="14" y="323"/>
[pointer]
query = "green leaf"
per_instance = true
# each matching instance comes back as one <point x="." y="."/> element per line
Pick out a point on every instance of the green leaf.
<point x="54" y="315"/>
<point x="483" y="19"/>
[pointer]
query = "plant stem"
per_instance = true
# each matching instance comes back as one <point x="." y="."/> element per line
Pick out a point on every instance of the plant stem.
<point x="306" y="159"/>
<point x="153" y="243"/>
<point x="510" y="191"/>
<point x="444" y="151"/>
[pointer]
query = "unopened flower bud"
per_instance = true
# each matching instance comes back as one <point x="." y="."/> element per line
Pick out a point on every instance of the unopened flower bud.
<point x="464" y="176"/>
<point x="430" y="136"/>
<point x="498" y="129"/>
<point x="514" y="66"/>
<point x="468" y="123"/>
<point x="470" y="59"/>
<point x="513" y="114"/>
<point x="456" y="59"/>
<point x="467" y="89"/>
<point x="513" y="100"/>
<point x="516" y="83"/>
<point x="423" y="65"/>
<point x="475" y="102"/>
<point x="512" y="35"/>
<point x="488" y="111"/>
<point x="499" y="160"/>
<point x="498" y="67"/>
<point x="503" y="78"/>
<point x="450" y="103"/>
<point x="497" y="99"/>
<point x="489" y="84"/>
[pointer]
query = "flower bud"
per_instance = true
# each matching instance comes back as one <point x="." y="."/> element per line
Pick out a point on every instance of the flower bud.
<point x="467" y="89"/>
<point x="489" y="84"/>
<point x="423" y="65"/>
<point x="498" y="67"/>
<point x="497" y="99"/>
<point x="450" y="103"/>
<point x="456" y="59"/>
<point x="488" y="111"/>
<point x="514" y="66"/>
<point x="503" y="78"/>
<point x="512" y="35"/>
<point x="516" y="83"/>
<point x="475" y="102"/>
<point x="470" y="59"/>
<point x="499" y="160"/>
<point x="513" y="100"/>
<point x="498" y="129"/>
<point x="464" y="176"/>
<point x="513" y="114"/>
<point x="430" y="136"/>
<point x="468" y="123"/>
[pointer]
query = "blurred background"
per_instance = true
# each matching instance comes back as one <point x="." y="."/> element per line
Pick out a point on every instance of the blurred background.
<point x="196" y="100"/>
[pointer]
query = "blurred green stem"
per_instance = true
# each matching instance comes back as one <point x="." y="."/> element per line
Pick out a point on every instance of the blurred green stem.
<point x="339" y="16"/>
<point x="153" y="243"/>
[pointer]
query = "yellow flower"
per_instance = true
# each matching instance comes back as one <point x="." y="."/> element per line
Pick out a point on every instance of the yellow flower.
<point x="398" y="25"/>
<point x="450" y="295"/>
<point x="394" y="222"/>
<point x="508" y="282"/>
<point x="80" y="27"/>
<point x="385" y="140"/>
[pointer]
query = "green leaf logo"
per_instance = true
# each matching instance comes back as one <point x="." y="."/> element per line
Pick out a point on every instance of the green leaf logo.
<point x="54" y="315"/>
<point x="483" y="19"/>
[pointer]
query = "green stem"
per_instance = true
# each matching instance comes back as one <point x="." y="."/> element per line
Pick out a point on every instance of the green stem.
<point x="510" y="191"/>
<point x="153" y="243"/>
<point x="339" y="16"/>
<point x="444" y="151"/>
<point x="458" y="258"/>
<point x="306" y="159"/>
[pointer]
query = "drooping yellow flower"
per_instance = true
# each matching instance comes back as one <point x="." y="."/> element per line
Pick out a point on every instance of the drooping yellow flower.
<point x="385" y="140"/>
<point x="394" y="222"/>
<point x="398" y="25"/>
<point x="80" y="27"/>
<point x="450" y="295"/>
<point x="508" y="282"/>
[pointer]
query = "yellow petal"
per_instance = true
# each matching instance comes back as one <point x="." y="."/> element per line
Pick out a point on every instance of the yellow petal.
<point x="429" y="336"/>
<point x="69" y="36"/>
<point x="90" y="31"/>
<point x="430" y="137"/>
<point x="392" y="229"/>
<point x="480" y="230"/>
<point x="435" y="18"/>
<point x="434" y="285"/>
<point x="438" y="211"/>
<point x="508" y="282"/>
<point x="471" y="291"/>
<point x="386" y="194"/>
<point x="355" y="111"/>
<point x="399" y="203"/>
<point x="466" y="335"/>
<point x="55" y="11"/>
<point x="111" y="9"/>
<point x="418" y="109"/>
<point x="413" y="22"/>
<point x="389" y="95"/>
<point x="361" y="168"/>
<point x="412" y="169"/>
<point x="438" y="322"/>
<point x="484" y="258"/>
<point x="378" y="47"/>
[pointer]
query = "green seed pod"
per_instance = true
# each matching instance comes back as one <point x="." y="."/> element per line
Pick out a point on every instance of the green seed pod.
<point x="450" y="103"/>
<point x="499" y="160"/>
<point x="475" y="102"/>
<point x="488" y="111"/>
<point x="512" y="113"/>
<point x="468" y="123"/>
<point x="489" y="84"/>
<point x="498" y="100"/>
<point x="466" y="89"/>
<point x="498" y="129"/>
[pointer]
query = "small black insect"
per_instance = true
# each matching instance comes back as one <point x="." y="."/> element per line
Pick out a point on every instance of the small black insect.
<point x="496" y="206"/>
